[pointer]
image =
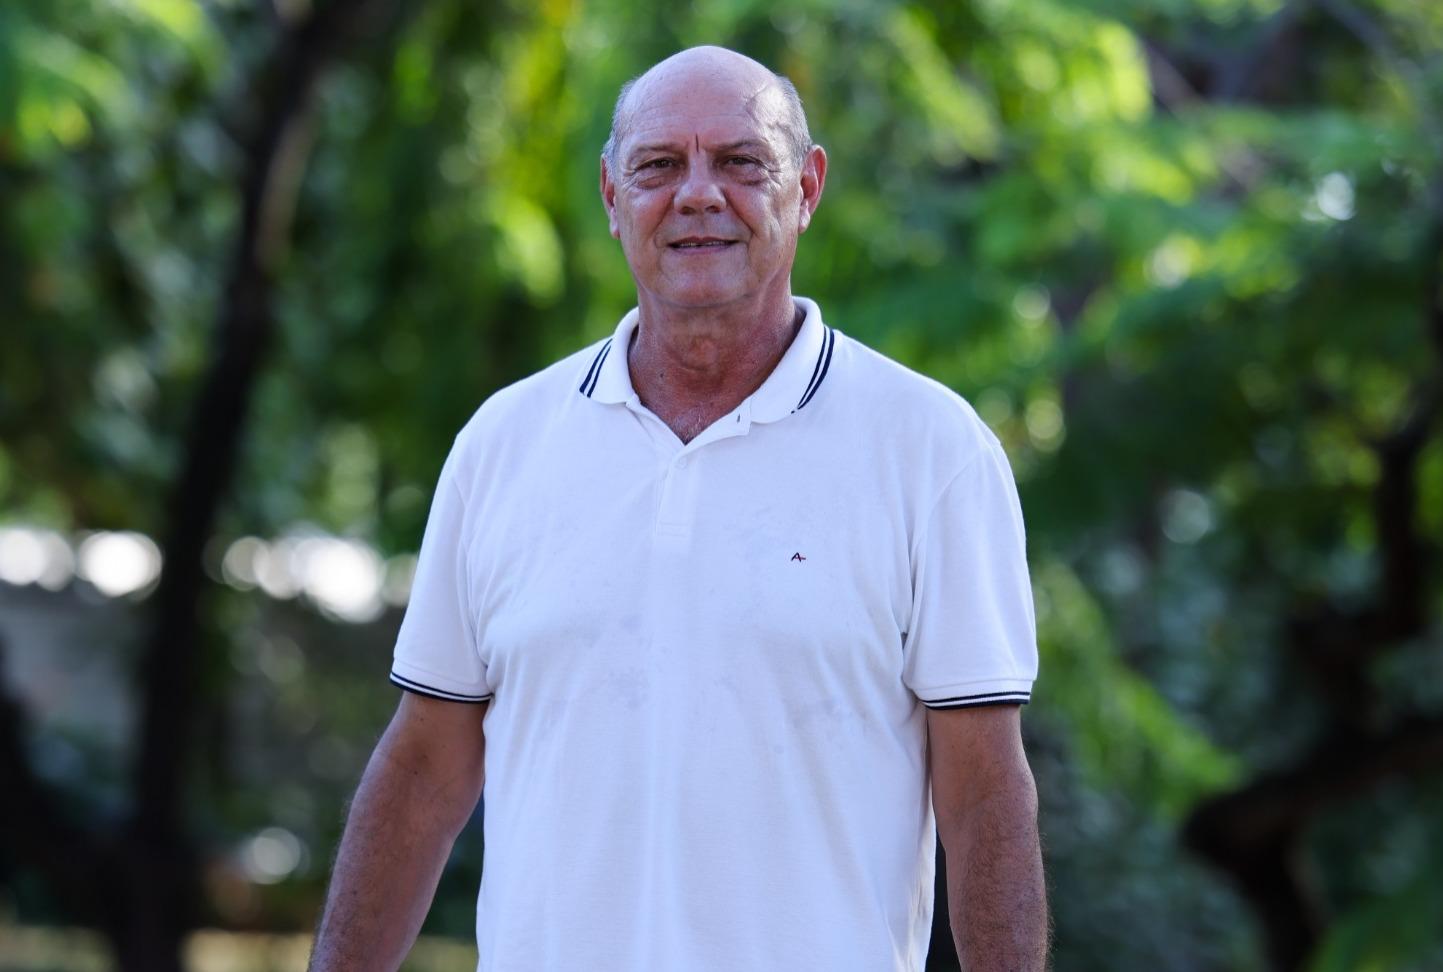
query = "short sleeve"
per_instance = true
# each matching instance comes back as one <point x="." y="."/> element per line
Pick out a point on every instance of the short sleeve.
<point x="436" y="649"/>
<point x="972" y="638"/>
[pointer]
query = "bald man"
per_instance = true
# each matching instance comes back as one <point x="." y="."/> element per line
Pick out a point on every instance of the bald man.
<point x="727" y="614"/>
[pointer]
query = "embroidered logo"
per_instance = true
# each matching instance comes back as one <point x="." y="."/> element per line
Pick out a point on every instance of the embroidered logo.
<point x="798" y="557"/>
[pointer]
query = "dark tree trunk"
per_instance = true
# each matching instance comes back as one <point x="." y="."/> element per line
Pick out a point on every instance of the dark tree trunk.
<point x="140" y="884"/>
<point x="161" y="870"/>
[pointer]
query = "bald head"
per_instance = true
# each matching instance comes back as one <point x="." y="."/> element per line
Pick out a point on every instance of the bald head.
<point x="754" y="84"/>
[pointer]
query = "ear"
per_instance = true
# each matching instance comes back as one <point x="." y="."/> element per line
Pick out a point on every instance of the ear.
<point x="608" y="198"/>
<point x="814" y="177"/>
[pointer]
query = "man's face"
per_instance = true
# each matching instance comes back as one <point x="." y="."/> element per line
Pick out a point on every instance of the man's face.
<point x="707" y="198"/>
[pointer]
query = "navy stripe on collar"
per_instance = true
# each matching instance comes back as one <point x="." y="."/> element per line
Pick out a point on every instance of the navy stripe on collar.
<point x="588" y="384"/>
<point x="819" y="370"/>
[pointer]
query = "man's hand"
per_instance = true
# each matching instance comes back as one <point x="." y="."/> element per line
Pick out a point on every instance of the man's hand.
<point x="986" y="806"/>
<point x="420" y="787"/>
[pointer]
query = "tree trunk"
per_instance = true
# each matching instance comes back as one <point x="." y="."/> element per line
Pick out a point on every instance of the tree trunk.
<point x="141" y="884"/>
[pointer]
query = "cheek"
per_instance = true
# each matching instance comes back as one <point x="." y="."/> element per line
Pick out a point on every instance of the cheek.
<point x="641" y="218"/>
<point x="779" y="215"/>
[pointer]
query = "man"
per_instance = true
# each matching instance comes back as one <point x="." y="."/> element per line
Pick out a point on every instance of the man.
<point x="707" y="606"/>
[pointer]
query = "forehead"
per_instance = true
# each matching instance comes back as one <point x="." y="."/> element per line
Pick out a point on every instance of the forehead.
<point x="680" y="106"/>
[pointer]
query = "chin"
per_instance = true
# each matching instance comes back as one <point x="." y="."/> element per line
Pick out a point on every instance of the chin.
<point x="700" y="295"/>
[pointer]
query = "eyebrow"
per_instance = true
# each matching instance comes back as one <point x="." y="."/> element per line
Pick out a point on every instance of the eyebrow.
<point x="750" y="144"/>
<point x="753" y="144"/>
<point x="650" y="148"/>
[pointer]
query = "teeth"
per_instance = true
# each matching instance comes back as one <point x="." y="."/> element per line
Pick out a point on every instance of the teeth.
<point x="693" y="246"/>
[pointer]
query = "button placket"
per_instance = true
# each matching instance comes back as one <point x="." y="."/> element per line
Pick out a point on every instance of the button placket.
<point x="678" y="497"/>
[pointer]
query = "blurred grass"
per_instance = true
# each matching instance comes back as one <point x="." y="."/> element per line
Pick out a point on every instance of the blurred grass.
<point x="24" y="949"/>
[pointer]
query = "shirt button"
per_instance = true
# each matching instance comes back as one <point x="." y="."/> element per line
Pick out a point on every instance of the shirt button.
<point x="681" y="463"/>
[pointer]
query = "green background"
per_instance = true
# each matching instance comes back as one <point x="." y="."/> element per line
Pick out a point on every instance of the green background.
<point x="1182" y="255"/>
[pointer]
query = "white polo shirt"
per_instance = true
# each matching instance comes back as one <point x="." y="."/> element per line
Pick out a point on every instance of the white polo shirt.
<point x="708" y="663"/>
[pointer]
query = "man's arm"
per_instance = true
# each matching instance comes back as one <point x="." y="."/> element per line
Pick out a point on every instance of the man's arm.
<point x="986" y="806"/>
<point x="421" y="785"/>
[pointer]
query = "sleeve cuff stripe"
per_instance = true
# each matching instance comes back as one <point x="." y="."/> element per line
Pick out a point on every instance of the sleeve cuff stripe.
<point x="985" y="698"/>
<point x="975" y="705"/>
<point x="435" y="693"/>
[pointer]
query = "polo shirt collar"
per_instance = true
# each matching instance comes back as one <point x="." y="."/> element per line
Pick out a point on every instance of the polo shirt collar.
<point x="789" y="388"/>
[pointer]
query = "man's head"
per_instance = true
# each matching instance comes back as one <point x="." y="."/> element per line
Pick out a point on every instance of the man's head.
<point x="793" y="122"/>
<point x="708" y="179"/>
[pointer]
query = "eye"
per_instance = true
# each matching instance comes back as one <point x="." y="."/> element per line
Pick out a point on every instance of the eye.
<point x="742" y="160"/>
<point x="656" y="164"/>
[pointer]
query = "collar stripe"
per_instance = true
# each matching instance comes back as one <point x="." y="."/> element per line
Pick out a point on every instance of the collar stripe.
<point x="789" y="388"/>
<point x="588" y="384"/>
<point x="599" y="364"/>
<point x="819" y="371"/>
<point x="821" y="352"/>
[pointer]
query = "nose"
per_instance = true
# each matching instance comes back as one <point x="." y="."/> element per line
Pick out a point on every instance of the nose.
<point x="699" y="191"/>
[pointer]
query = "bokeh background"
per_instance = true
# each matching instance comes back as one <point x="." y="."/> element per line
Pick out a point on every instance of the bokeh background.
<point x="260" y="259"/>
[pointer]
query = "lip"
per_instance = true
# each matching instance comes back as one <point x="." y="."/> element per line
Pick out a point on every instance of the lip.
<point x="700" y="244"/>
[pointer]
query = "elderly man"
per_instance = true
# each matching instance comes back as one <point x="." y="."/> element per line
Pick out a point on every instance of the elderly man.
<point x="729" y="613"/>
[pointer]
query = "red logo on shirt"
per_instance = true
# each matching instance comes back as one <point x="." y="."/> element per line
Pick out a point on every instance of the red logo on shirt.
<point x="798" y="557"/>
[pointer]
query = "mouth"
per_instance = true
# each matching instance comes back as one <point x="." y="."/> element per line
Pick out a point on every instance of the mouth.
<point x="701" y="243"/>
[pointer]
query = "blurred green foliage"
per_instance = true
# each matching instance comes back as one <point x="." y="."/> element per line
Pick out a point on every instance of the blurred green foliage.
<point x="1175" y="251"/>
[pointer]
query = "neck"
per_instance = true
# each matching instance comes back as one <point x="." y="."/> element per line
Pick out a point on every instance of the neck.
<point x="690" y="368"/>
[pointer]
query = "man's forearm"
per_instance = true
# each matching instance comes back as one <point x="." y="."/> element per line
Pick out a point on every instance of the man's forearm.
<point x="397" y="838"/>
<point x="996" y="893"/>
